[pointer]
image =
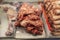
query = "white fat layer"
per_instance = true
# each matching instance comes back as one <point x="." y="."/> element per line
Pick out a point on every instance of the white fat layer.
<point x="57" y="22"/>
<point x="58" y="11"/>
<point x="56" y="26"/>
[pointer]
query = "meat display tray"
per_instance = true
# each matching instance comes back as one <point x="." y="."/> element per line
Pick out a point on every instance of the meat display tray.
<point x="4" y="24"/>
<point x="48" y="26"/>
<point x="18" y="33"/>
<point x="21" y="33"/>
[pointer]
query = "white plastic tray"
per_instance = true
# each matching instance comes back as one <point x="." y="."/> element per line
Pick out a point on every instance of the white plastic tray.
<point x="48" y="33"/>
<point x="4" y="24"/>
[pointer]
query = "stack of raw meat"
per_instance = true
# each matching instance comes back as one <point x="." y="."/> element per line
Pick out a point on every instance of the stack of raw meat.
<point x="29" y="19"/>
<point x="53" y="12"/>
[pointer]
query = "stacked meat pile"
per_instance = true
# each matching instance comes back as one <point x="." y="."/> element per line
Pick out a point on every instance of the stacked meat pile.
<point x="53" y="12"/>
<point x="29" y="18"/>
